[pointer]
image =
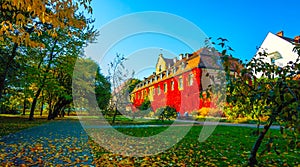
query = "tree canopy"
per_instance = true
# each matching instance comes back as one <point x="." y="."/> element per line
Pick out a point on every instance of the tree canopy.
<point x="40" y="41"/>
<point x="274" y="96"/>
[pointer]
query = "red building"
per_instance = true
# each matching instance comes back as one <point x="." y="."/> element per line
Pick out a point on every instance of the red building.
<point x="179" y="82"/>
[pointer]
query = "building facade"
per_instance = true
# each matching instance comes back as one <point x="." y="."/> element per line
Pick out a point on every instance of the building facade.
<point x="178" y="82"/>
<point x="279" y="49"/>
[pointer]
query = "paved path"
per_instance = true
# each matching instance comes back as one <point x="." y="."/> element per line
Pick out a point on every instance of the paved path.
<point x="229" y="124"/>
<point x="59" y="143"/>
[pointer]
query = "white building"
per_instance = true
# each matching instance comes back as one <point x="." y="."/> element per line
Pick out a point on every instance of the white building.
<point x="279" y="49"/>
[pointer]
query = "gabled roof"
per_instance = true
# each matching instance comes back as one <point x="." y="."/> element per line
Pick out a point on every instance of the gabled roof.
<point x="169" y="62"/>
<point x="296" y="39"/>
<point x="207" y="58"/>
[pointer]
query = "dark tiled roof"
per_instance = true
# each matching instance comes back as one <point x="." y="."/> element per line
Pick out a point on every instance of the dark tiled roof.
<point x="203" y="58"/>
<point x="291" y="40"/>
<point x="169" y="62"/>
<point x="287" y="39"/>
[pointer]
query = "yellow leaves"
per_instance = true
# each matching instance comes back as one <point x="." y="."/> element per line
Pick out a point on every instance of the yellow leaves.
<point x="29" y="8"/>
<point x="146" y="159"/>
<point x="62" y="11"/>
<point x="69" y="34"/>
<point x="20" y="17"/>
<point x="43" y="17"/>
<point x="54" y="35"/>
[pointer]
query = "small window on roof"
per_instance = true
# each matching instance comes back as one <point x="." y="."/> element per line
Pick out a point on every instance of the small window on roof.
<point x="272" y="60"/>
<point x="182" y="65"/>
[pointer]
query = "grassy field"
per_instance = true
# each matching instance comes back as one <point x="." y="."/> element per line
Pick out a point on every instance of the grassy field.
<point x="14" y="123"/>
<point x="227" y="146"/>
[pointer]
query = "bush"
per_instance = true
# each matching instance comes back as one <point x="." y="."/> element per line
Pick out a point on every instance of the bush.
<point x="213" y="112"/>
<point x="166" y="113"/>
<point x="5" y="109"/>
<point x="145" y="105"/>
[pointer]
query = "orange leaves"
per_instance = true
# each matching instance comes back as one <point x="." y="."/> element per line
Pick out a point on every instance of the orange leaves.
<point x="58" y="14"/>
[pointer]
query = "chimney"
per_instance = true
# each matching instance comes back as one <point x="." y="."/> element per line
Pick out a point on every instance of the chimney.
<point x="180" y="56"/>
<point x="297" y="39"/>
<point x="187" y="55"/>
<point x="175" y="60"/>
<point x="280" y="33"/>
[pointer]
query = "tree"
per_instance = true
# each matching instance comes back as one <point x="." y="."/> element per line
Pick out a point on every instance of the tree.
<point x="41" y="33"/>
<point x="102" y="90"/>
<point x="120" y="78"/>
<point x="90" y="89"/>
<point x="21" y="19"/>
<point x="275" y="95"/>
<point x="278" y="93"/>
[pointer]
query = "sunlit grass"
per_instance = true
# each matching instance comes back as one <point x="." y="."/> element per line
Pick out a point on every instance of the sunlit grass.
<point x="14" y="123"/>
<point x="227" y="146"/>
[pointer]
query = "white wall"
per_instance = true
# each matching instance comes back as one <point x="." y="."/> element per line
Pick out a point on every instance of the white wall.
<point x="274" y="43"/>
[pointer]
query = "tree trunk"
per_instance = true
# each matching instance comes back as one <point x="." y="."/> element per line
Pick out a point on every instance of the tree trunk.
<point x="24" y="106"/>
<point x="115" y="115"/>
<point x="252" y="159"/>
<point x="34" y="103"/>
<point x="8" y="64"/>
<point x="69" y="110"/>
<point x="42" y="107"/>
<point x="59" y="108"/>
<point x="50" y="109"/>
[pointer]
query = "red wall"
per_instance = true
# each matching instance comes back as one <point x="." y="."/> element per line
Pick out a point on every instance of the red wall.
<point x="183" y="100"/>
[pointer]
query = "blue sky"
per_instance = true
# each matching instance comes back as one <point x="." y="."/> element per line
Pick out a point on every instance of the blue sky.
<point x="244" y="23"/>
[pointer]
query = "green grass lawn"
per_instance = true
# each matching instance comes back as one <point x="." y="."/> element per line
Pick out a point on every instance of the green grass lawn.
<point x="227" y="146"/>
<point x="14" y="123"/>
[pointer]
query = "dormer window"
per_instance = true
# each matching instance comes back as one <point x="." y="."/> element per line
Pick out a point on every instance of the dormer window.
<point x="272" y="60"/>
<point x="161" y="75"/>
<point x="182" y="65"/>
<point x="275" y="56"/>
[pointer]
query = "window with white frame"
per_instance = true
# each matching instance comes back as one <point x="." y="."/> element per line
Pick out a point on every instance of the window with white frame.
<point x="158" y="90"/>
<point x="172" y="85"/>
<point x="180" y="83"/>
<point x="165" y="87"/>
<point x="190" y="79"/>
<point x="174" y="70"/>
